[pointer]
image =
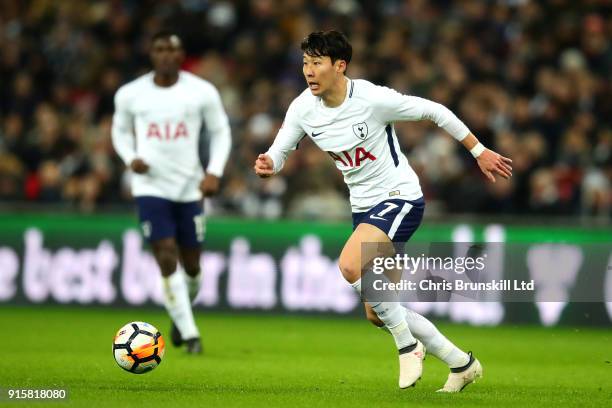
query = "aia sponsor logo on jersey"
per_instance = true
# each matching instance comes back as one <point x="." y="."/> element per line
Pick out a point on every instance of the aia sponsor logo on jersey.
<point x="348" y="159"/>
<point x="167" y="131"/>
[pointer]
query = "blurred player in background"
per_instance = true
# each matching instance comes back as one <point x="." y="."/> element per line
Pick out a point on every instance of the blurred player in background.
<point x="156" y="130"/>
<point x="353" y="120"/>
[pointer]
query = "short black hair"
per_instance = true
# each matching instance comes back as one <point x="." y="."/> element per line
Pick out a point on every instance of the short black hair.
<point x="166" y="34"/>
<point x="332" y="44"/>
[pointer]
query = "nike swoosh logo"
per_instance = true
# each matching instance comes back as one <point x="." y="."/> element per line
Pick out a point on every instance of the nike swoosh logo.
<point x="317" y="134"/>
<point x="375" y="217"/>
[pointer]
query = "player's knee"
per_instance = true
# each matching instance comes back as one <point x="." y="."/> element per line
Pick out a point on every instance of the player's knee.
<point x="191" y="264"/>
<point x="349" y="269"/>
<point x="167" y="258"/>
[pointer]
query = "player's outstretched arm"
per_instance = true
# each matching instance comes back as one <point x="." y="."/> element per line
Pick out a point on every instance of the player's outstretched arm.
<point x="264" y="166"/>
<point x="490" y="162"/>
<point x="392" y="106"/>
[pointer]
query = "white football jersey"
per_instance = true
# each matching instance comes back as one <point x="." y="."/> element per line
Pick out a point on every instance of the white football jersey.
<point x="166" y="123"/>
<point x="360" y="138"/>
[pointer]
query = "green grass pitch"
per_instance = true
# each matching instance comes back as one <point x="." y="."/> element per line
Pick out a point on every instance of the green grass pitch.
<point x="287" y="361"/>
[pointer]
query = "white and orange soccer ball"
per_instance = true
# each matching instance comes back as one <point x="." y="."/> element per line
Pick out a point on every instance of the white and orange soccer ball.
<point x="138" y="347"/>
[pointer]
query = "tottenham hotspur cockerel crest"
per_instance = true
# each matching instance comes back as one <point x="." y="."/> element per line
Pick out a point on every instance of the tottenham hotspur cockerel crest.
<point x="361" y="130"/>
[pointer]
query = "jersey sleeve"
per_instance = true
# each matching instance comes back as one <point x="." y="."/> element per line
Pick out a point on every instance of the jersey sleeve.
<point x="122" y="134"/>
<point x="217" y="125"/>
<point x="289" y="135"/>
<point x="392" y="106"/>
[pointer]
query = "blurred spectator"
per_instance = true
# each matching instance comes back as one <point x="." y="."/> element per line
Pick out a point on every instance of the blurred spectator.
<point x="531" y="79"/>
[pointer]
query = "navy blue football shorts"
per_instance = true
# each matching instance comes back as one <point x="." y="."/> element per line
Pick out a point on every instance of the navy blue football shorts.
<point x="161" y="218"/>
<point x="398" y="218"/>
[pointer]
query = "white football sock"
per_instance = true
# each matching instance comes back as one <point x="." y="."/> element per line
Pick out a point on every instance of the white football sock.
<point x="434" y="341"/>
<point x="176" y="300"/>
<point x="193" y="285"/>
<point x="392" y="315"/>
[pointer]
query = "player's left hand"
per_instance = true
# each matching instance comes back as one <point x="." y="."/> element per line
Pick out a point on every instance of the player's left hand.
<point x="492" y="163"/>
<point x="210" y="185"/>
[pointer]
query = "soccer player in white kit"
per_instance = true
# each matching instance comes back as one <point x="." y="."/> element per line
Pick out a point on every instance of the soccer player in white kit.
<point x="352" y="120"/>
<point x="156" y="129"/>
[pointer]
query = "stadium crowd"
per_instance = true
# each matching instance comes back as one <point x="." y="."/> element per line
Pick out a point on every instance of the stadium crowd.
<point x="531" y="79"/>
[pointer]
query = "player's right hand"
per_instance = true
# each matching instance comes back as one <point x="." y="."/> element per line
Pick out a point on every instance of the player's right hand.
<point x="139" y="166"/>
<point x="264" y="166"/>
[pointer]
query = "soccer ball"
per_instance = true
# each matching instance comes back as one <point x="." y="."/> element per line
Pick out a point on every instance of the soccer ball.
<point x="138" y="347"/>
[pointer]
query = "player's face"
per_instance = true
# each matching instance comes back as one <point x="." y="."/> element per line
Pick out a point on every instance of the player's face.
<point x="321" y="74"/>
<point x="167" y="55"/>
